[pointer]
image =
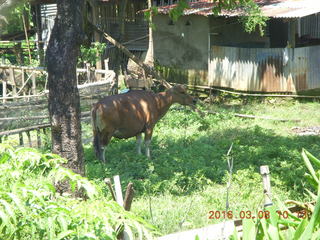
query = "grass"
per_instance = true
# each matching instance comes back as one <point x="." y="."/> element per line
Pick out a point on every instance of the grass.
<point x="186" y="177"/>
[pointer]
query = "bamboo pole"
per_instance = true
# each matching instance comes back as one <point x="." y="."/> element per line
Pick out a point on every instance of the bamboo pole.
<point x="38" y="138"/>
<point x="26" y="35"/>
<point x="4" y="91"/>
<point x="29" y="138"/>
<point x="21" y="139"/>
<point x="265" y="173"/>
<point x="13" y="82"/>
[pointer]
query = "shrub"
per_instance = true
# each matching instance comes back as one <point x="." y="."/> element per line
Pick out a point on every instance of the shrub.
<point x="31" y="208"/>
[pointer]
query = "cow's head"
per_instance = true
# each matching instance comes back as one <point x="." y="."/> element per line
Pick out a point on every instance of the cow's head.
<point x="180" y="95"/>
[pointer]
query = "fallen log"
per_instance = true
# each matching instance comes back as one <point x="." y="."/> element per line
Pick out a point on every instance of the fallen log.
<point x="149" y="70"/>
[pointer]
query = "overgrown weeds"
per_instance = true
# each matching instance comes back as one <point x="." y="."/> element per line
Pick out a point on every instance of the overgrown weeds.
<point x="189" y="160"/>
<point x="31" y="208"/>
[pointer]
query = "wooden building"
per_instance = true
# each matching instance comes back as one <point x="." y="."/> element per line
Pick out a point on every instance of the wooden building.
<point x="204" y="49"/>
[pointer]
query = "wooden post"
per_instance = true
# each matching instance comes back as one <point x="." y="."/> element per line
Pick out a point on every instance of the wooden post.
<point x="29" y="138"/>
<point x="4" y="90"/>
<point x="108" y="182"/>
<point x="34" y="87"/>
<point x="119" y="199"/>
<point x="23" y="81"/>
<point x="96" y="34"/>
<point x="21" y="143"/>
<point x="106" y="68"/>
<point x="38" y="138"/>
<point x="13" y="82"/>
<point x="88" y="72"/>
<point x="128" y="197"/>
<point x="117" y="185"/>
<point x="26" y="34"/>
<point x="264" y="170"/>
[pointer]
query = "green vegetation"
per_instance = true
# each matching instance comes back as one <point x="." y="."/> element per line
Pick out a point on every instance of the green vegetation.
<point x="305" y="226"/>
<point x="91" y="54"/>
<point x="186" y="177"/>
<point x="31" y="206"/>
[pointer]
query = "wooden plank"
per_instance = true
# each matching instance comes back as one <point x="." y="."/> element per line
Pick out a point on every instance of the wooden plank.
<point x="117" y="186"/>
<point x="37" y="69"/>
<point x="20" y="130"/>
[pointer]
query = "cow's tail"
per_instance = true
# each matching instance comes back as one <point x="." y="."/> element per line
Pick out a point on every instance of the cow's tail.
<point x="96" y="133"/>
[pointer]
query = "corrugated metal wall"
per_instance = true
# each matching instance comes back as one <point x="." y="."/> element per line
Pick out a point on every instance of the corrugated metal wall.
<point x="310" y="26"/>
<point x="265" y="69"/>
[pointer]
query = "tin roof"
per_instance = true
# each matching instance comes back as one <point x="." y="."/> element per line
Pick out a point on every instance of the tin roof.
<point x="269" y="8"/>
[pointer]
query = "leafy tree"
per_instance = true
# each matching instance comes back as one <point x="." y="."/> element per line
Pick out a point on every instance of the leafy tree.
<point x="10" y="12"/>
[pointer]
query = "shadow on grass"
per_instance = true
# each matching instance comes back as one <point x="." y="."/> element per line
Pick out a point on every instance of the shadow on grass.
<point x="186" y="164"/>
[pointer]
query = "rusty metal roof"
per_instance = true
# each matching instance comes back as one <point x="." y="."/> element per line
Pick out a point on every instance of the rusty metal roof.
<point x="269" y="8"/>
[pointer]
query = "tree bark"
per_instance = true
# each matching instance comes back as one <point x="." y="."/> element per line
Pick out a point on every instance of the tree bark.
<point x="64" y="101"/>
<point x="149" y="60"/>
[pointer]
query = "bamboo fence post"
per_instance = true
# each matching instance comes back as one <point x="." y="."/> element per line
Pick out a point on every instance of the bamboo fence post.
<point x="13" y="82"/>
<point x="4" y="90"/>
<point x="128" y="197"/>
<point x="34" y="87"/>
<point x="29" y="138"/>
<point x="88" y="72"/>
<point x="21" y="143"/>
<point x="38" y="138"/>
<point x="264" y="170"/>
<point x="109" y="184"/>
<point x="23" y="81"/>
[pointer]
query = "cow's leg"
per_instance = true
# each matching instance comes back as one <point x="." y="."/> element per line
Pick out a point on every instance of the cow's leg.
<point x="105" y="141"/>
<point x="98" y="147"/>
<point x="139" y="142"/>
<point x="147" y="140"/>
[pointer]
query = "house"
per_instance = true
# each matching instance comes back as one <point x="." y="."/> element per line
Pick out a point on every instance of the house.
<point x="201" y="48"/>
<point x="116" y="17"/>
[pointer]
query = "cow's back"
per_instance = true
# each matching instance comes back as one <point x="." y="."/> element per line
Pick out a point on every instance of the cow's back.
<point x="127" y="114"/>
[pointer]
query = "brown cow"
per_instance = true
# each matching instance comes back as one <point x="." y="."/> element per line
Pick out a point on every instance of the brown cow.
<point x="131" y="114"/>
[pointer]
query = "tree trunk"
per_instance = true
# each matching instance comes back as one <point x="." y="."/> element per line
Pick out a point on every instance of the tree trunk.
<point x="149" y="60"/>
<point x="64" y="101"/>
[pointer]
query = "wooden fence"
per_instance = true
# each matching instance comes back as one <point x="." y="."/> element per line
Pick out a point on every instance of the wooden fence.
<point x="26" y="82"/>
<point x="265" y="69"/>
<point x="19" y="117"/>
